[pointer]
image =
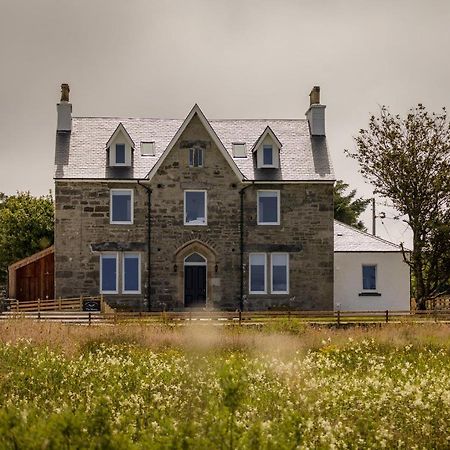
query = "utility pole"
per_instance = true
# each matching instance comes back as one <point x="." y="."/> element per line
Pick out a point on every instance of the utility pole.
<point x="373" y="216"/>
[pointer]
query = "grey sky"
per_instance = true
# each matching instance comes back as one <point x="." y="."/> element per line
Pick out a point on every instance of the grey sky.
<point x="255" y="59"/>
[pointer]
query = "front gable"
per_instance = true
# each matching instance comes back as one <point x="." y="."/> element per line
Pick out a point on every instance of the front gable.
<point x="267" y="150"/>
<point x="194" y="119"/>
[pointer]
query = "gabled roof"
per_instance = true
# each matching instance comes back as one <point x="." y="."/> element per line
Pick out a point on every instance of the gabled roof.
<point x="267" y="131"/>
<point x="349" y="239"/>
<point x="120" y="130"/>
<point x="196" y="111"/>
<point x="81" y="154"/>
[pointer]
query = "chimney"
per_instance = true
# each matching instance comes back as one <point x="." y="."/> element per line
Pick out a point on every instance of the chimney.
<point x="316" y="113"/>
<point x="64" y="109"/>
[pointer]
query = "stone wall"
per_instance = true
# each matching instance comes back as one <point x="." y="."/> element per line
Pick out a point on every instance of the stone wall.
<point x="305" y="232"/>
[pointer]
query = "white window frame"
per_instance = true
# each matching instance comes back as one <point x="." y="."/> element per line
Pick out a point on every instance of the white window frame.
<point x="138" y="255"/>
<point x="120" y="191"/>
<point x="278" y="207"/>
<point x="250" y="273"/>
<point x="273" y="291"/>
<point x="269" y="166"/>
<point x="109" y="254"/>
<point x="362" y="277"/>
<point x="206" y="208"/>
<point x="193" y="150"/>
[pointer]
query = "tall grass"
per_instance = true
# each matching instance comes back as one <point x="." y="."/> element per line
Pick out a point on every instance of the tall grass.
<point x="158" y="386"/>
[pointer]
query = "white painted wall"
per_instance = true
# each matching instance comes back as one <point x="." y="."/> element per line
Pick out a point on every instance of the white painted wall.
<point x="392" y="282"/>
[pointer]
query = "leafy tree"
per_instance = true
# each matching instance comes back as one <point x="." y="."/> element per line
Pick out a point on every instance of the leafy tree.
<point x="408" y="160"/>
<point x="26" y="226"/>
<point x="347" y="209"/>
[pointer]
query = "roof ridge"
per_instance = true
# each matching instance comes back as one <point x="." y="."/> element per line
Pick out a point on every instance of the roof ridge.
<point x="367" y="234"/>
<point x="181" y="120"/>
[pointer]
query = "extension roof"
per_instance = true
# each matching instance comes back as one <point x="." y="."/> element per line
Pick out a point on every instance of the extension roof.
<point x="349" y="239"/>
<point x="81" y="154"/>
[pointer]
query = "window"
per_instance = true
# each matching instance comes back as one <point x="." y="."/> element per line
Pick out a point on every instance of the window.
<point x="258" y="273"/>
<point x="120" y="154"/>
<point x="121" y="209"/>
<point x="195" y="208"/>
<point x="369" y="275"/>
<point x="239" y="150"/>
<point x="280" y="273"/>
<point x="194" y="259"/>
<point x="267" y="155"/>
<point x="108" y="273"/>
<point x="147" y="148"/>
<point x="196" y="157"/>
<point x="268" y="207"/>
<point x="131" y="273"/>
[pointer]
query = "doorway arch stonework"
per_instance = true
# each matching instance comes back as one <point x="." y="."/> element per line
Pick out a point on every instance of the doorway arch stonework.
<point x="203" y="249"/>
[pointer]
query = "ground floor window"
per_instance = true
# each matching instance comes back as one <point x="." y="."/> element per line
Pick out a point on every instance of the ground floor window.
<point x="278" y="274"/>
<point x="369" y="277"/>
<point x="130" y="273"/>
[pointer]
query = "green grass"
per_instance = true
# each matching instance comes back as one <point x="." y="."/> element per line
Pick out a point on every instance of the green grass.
<point x="207" y="387"/>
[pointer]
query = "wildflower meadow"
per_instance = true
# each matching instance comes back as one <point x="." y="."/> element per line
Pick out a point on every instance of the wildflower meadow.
<point x="206" y="387"/>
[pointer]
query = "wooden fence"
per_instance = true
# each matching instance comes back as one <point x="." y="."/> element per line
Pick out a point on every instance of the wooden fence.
<point x="61" y="304"/>
<point x="256" y="318"/>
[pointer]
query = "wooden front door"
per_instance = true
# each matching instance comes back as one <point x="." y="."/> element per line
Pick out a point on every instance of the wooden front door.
<point x="195" y="285"/>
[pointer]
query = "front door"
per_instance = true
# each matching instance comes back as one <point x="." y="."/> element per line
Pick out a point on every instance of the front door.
<point x="194" y="285"/>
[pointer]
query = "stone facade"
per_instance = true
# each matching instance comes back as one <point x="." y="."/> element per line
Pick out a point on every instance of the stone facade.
<point x="83" y="230"/>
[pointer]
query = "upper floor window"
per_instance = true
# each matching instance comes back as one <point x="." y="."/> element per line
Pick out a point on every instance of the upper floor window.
<point x="268" y="207"/>
<point x="120" y="154"/>
<point x="195" y="212"/>
<point x="121" y="206"/>
<point x="267" y="155"/>
<point x="369" y="275"/>
<point x="196" y="157"/>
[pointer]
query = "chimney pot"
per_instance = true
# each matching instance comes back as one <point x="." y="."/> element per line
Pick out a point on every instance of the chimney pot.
<point x="314" y="96"/>
<point x="65" y="89"/>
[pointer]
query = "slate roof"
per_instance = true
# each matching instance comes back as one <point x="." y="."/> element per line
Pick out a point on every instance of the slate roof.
<point x="349" y="239"/>
<point x="82" y="153"/>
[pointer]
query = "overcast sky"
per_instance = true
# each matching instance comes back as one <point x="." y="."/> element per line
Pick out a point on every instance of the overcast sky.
<point x="235" y="58"/>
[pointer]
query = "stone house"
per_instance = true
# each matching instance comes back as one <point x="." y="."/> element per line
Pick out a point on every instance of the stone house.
<point x="168" y="213"/>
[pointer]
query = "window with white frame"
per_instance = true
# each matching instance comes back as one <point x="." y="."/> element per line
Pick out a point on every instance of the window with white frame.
<point x="121" y="206"/>
<point x="108" y="273"/>
<point x="280" y="273"/>
<point x="369" y="277"/>
<point x="267" y="155"/>
<point x="131" y="273"/>
<point x="258" y="273"/>
<point x="196" y="157"/>
<point x="195" y="212"/>
<point x="268" y="205"/>
<point x="120" y="154"/>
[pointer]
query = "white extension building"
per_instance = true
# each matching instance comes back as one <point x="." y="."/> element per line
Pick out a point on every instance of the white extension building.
<point x="369" y="272"/>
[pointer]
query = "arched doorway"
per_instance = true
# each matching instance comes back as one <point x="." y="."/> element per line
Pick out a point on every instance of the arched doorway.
<point x="195" y="284"/>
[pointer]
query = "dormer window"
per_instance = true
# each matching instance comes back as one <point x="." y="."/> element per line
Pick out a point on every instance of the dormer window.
<point x="120" y="154"/>
<point x="268" y="155"/>
<point x="120" y="146"/>
<point x="267" y="150"/>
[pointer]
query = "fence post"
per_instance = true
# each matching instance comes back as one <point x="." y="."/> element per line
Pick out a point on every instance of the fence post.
<point x="89" y="318"/>
<point x="59" y="303"/>
<point x="240" y="318"/>
<point x="339" y="317"/>
<point x="387" y="316"/>
<point x="39" y="305"/>
<point x="81" y="303"/>
<point x="102" y="304"/>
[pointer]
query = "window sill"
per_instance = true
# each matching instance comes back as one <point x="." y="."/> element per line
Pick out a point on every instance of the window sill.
<point x="369" y="294"/>
<point x="268" y="223"/>
<point x="121" y="223"/>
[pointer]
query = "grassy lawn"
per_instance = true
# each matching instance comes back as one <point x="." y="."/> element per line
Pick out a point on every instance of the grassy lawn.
<point x="285" y="386"/>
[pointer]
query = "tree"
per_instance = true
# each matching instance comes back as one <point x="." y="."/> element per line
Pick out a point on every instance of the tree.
<point x="26" y="226"/>
<point x="408" y="161"/>
<point x="346" y="208"/>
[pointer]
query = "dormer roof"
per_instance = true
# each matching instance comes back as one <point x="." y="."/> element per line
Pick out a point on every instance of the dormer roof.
<point x="120" y="130"/>
<point x="267" y="131"/>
